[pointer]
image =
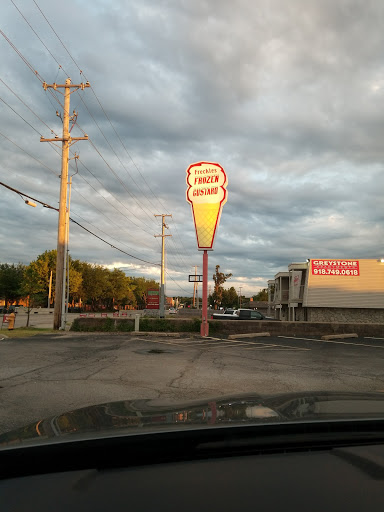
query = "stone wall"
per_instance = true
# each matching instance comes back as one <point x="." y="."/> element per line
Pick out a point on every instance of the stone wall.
<point x="276" y="327"/>
<point x="356" y="315"/>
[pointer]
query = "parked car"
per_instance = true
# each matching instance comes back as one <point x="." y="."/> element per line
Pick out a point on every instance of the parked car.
<point x="172" y="311"/>
<point x="239" y="314"/>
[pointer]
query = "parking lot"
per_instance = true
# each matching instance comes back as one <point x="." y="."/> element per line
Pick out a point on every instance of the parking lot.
<point x="50" y="374"/>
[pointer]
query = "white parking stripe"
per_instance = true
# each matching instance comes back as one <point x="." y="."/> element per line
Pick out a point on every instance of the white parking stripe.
<point x="161" y="342"/>
<point x="279" y="346"/>
<point x="329" y="341"/>
<point x="225" y="344"/>
<point x="372" y="338"/>
<point x="231" y="345"/>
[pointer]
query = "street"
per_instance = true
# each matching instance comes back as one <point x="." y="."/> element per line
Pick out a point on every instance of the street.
<point x="49" y="374"/>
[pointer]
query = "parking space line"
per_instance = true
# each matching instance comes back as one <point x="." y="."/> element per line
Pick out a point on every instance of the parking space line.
<point x="246" y="345"/>
<point x="280" y="347"/>
<point x="330" y="341"/>
<point x="161" y="342"/>
<point x="372" y="338"/>
<point x="231" y="345"/>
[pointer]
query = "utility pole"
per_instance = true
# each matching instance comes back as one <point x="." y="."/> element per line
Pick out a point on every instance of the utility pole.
<point x="240" y="296"/>
<point x="195" y="287"/>
<point x="163" y="225"/>
<point x="67" y="141"/>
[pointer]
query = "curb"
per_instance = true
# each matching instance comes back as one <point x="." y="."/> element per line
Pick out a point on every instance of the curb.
<point x="248" y="335"/>
<point x="339" y="336"/>
<point x="152" y="333"/>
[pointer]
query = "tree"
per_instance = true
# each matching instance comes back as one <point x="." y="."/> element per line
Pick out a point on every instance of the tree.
<point x="141" y="285"/>
<point x="95" y="285"/>
<point x="262" y="295"/>
<point x="219" y="279"/>
<point x="120" y="288"/>
<point x="229" y="298"/>
<point x="11" y="279"/>
<point x="33" y="288"/>
<point x="44" y="264"/>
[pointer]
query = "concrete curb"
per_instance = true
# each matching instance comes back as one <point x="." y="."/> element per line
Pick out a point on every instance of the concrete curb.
<point x="152" y="333"/>
<point x="339" y="336"/>
<point x="248" y="335"/>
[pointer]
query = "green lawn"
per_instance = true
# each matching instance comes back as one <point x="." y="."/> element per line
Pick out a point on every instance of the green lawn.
<point x="24" y="332"/>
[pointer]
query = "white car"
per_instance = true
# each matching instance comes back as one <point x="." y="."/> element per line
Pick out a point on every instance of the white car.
<point x="172" y="311"/>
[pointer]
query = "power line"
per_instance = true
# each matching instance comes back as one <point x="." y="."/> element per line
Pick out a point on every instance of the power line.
<point x="52" y="132"/>
<point x="21" y="117"/>
<point x="183" y="289"/>
<point x="41" y="163"/>
<point x="37" y="35"/>
<point x="117" y="156"/>
<point x="41" y="80"/>
<point x="78" y="224"/>
<point x="110" y="122"/>
<point x="60" y="67"/>
<point x="21" y="56"/>
<point x="29" y="108"/>
<point x="111" y="221"/>
<point x="122" y="204"/>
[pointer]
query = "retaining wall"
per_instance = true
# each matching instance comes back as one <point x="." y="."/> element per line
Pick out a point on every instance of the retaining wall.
<point x="225" y="327"/>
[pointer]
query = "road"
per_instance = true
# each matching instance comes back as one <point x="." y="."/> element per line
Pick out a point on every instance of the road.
<point x="49" y="374"/>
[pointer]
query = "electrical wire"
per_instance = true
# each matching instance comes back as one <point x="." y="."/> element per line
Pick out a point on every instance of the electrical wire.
<point x="60" y="67"/>
<point x="110" y="122"/>
<point x="51" y="145"/>
<point x="46" y="205"/>
<point x="41" y="163"/>
<point x="41" y="80"/>
<point x="23" y="102"/>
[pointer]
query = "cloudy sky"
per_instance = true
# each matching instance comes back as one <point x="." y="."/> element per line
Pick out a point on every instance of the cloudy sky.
<point x="287" y="96"/>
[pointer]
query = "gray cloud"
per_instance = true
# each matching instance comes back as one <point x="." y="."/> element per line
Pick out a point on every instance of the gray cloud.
<point x="287" y="97"/>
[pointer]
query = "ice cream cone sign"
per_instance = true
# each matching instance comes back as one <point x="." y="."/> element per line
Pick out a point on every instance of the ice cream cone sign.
<point x="207" y="194"/>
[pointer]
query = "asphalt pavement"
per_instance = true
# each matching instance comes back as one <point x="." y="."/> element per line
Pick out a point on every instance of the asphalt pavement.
<point x="49" y="374"/>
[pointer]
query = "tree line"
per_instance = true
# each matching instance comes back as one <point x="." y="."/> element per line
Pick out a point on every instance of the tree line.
<point x="89" y="284"/>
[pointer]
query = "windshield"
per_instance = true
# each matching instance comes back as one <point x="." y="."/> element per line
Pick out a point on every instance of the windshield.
<point x="168" y="165"/>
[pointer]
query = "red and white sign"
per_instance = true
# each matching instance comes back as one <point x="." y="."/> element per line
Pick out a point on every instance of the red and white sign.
<point x="153" y="299"/>
<point x="335" y="267"/>
<point x="207" y="194"/>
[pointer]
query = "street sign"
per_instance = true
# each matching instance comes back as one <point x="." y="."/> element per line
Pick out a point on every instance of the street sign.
<point x="195" y="279"/>
<point x="207" y="194"/>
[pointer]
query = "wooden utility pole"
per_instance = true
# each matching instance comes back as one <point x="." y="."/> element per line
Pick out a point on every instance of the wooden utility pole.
<point x="67" y="141"/>
<point x="163" y="225"/>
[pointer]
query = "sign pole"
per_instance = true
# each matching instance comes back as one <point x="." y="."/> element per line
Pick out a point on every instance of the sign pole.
<point x="204" y="331"/>
<point x="206" y="193"/>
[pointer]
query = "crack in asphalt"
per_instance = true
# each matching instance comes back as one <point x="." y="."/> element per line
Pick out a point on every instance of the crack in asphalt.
<point x="184" y="371"/>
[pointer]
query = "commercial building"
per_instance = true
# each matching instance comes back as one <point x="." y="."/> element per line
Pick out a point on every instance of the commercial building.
<point x="329" y="290"/>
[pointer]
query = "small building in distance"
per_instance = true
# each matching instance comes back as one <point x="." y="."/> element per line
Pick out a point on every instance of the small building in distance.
<point x="329" y="290"/>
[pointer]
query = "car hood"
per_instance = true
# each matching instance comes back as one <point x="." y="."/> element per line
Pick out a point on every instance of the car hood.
<point x="137" y="416"/>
